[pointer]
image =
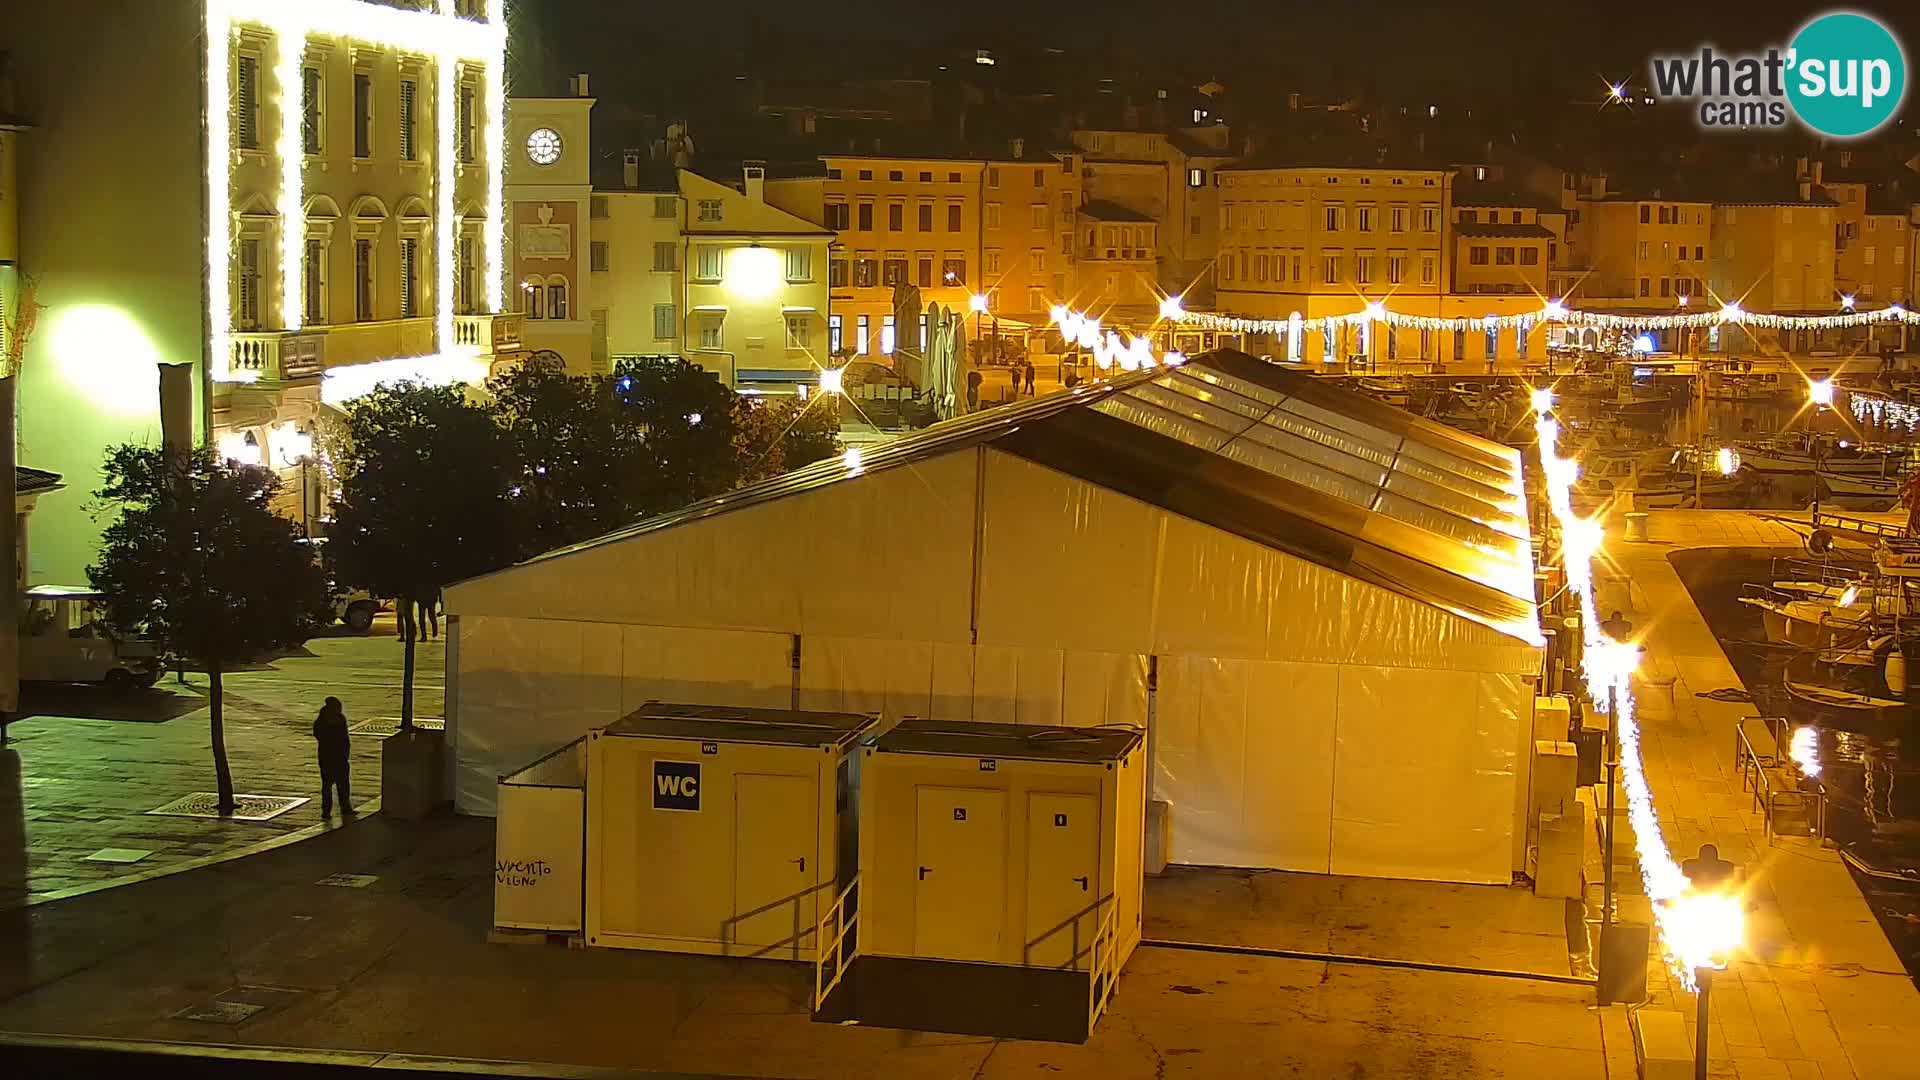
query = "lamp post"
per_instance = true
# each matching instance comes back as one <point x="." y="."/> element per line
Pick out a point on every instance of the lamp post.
<point x="1613" y="824"/>
<point x="1820" y="396"/>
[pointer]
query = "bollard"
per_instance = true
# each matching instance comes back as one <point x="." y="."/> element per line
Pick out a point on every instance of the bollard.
<point x="1637" y="526"/>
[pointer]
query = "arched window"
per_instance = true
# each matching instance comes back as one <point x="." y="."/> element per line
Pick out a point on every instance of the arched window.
<point x="533" y="297"/>
<point x="556" y="297"/>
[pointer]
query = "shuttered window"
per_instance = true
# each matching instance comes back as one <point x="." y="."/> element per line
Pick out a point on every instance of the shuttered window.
<point x="246" y="102"/>
<point x="409" y="283"/>
<point x="247" y="300"/>
<point x="409" y="147"/>
<point x="362" y="115"/>
<point x="363" y="280"/>
<point x="313" y="280"/>
<point x="310" y="110"/>
<point x="467" y="137"/>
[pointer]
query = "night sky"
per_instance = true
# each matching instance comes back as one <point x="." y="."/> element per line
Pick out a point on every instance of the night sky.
<point x="674" y="53"/>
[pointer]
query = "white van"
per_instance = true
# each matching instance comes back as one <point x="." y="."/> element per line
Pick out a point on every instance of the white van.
<point x="64" y="638"/>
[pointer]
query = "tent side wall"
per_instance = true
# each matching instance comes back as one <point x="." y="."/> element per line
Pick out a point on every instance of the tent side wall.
<point x="1306" y="720"/>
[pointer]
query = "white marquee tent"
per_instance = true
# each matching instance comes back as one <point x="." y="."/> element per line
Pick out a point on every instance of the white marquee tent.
<point x="1322" y="607"/>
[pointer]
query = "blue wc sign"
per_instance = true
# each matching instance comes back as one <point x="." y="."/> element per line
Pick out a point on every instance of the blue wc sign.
<point x="676" y="785"/>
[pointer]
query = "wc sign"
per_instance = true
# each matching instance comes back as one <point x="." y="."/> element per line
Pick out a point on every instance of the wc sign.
<point x="676" y="785"/>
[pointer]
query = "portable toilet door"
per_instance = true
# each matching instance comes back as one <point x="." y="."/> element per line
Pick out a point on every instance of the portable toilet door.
<point x="1001" y="870"/>
<point x="716" y="830"/>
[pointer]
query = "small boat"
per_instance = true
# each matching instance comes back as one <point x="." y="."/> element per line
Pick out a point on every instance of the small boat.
<point x="1653" y="478"/>
<point x="1808" y="624"/>
<point x="1892" y="875"/>
<point x="1843" y="460"/>
<point x="1850" y="704"/>
<point x="1845" y="486"/>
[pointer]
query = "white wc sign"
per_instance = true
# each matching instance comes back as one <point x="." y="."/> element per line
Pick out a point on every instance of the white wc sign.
<point x="676" y="785"/>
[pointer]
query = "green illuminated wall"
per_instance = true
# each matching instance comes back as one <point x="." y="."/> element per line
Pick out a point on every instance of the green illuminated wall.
<point x="111" y="183"/>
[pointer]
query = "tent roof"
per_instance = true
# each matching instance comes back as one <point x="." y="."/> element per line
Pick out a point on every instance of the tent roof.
<point x="1277" y="457"/>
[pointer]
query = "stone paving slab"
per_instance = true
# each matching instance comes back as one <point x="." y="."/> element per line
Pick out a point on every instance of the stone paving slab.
<point x="1823" y="991"/>
<point x="73" y="784"/>
<point x="402" y="966"/>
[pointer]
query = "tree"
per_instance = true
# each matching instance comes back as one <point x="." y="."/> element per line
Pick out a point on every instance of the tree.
<point x="779" y="435"/>
<point x="581" y="461"/>
<point x="687" y="417"/>
<point x="199" y="564"/>
<point x="424" y="501"/>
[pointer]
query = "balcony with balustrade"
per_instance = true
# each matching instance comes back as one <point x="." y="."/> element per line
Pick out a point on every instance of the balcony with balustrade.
<point x="277" y="355"/>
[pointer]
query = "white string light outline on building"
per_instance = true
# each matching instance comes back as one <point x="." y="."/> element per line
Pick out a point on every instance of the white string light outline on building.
<point x="448" y="39"/>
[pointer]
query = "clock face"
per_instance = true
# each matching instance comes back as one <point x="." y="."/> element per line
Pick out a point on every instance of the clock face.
<point x="543" y="146"/>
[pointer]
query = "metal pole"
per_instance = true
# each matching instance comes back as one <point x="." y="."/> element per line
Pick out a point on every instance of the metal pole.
<point x="1613" y="769"/>
<point x="306" y="519"/>
<point x="1703" y="976"/>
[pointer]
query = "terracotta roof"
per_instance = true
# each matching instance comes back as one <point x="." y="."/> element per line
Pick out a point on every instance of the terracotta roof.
<point x="1102" y="210"/>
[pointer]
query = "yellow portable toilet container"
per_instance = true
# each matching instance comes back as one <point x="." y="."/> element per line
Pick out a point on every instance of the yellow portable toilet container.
<point x="1000" y="880"/>
<point x="718" y="830"/>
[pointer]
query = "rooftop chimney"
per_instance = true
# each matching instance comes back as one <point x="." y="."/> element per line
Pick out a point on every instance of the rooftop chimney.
<point x="577" y="85"/>
<point x="630" y="169"/>
<point x="756" y="180"/>
<point x="1019" y="148"/>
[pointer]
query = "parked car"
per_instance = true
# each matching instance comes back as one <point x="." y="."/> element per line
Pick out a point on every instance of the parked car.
<point x="354" y="607"/>
<point x="64" y="638"/>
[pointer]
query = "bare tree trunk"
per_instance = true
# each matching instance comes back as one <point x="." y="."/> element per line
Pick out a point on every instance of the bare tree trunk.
<point x="223" y="776"/>
<point x="407" y="634"/>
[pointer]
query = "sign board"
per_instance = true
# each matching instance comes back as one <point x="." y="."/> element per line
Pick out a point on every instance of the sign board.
<point x="676" y="785"/>
<point x="537" y="863"/>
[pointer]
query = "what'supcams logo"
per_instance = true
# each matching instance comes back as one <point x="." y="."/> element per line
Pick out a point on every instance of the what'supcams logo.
<point x="1843" y="76"/>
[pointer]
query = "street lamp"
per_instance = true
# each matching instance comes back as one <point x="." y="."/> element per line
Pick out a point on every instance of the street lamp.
<point x="978" y="303"/>
<point x="1171" y="312"/>
<point x="1820" y="396"/>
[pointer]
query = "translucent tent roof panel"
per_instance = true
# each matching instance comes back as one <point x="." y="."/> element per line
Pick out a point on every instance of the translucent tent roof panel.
<point x="1329" y="453"/>
<point x="1276" y="456"/>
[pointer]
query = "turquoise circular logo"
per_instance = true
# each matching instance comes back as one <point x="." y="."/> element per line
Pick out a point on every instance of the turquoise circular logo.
<point x="1846" y="74"/>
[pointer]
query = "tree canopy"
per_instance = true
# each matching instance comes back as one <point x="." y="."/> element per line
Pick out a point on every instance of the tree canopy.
<point x="425" y="492"/>
<point x="197" y="561"/>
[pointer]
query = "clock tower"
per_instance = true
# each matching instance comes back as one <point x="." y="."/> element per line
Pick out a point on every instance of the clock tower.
<point x="549" y="195"/>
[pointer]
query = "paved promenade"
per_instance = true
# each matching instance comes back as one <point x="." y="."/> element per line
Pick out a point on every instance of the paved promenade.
<point x="1823" y="996"/>
<point x="84" y="767"/>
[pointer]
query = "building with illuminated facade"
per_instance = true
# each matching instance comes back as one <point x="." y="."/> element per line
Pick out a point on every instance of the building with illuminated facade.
<point x="350" y="151"/>
<point x="997" y="226"/>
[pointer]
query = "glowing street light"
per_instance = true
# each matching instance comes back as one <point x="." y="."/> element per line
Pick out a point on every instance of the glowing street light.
<point x="240" y="447"/>
<point x="1542" y="400"/>
<point x="977" y="303"/>
<point x="1847" y="301"/>
<point x="1728" y="459"/>
<point x="1170" y="309"/>
<point x="1820" y="392"/>
<point x="832" y="380"/>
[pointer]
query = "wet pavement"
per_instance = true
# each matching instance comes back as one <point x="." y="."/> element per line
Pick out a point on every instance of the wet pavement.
<point x="84" y="767"/>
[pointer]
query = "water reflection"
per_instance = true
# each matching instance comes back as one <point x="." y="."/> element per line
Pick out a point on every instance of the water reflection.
<point x="1869" y="772"/>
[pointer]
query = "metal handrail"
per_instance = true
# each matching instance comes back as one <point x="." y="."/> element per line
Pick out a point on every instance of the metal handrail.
<point x="1756" y="775"/>
<point x="1101" y="968"/>
<point x="843" y="917"/>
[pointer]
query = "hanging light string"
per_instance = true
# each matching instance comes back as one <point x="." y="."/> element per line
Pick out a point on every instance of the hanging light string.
<point x="1882" y="411"/>
<point x="1698" y="928"/>
<point x="1558" y="313"/>
<point x="1108" y="348"/>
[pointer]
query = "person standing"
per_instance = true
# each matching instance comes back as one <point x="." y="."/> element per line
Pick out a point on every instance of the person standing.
<point x="330" y="733"/>
<point x="1029" y="378"/>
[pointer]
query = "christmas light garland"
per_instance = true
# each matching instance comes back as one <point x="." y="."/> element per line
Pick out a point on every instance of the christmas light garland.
<point x="1553" y="312"/>
<point x="1699" y="928"/>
